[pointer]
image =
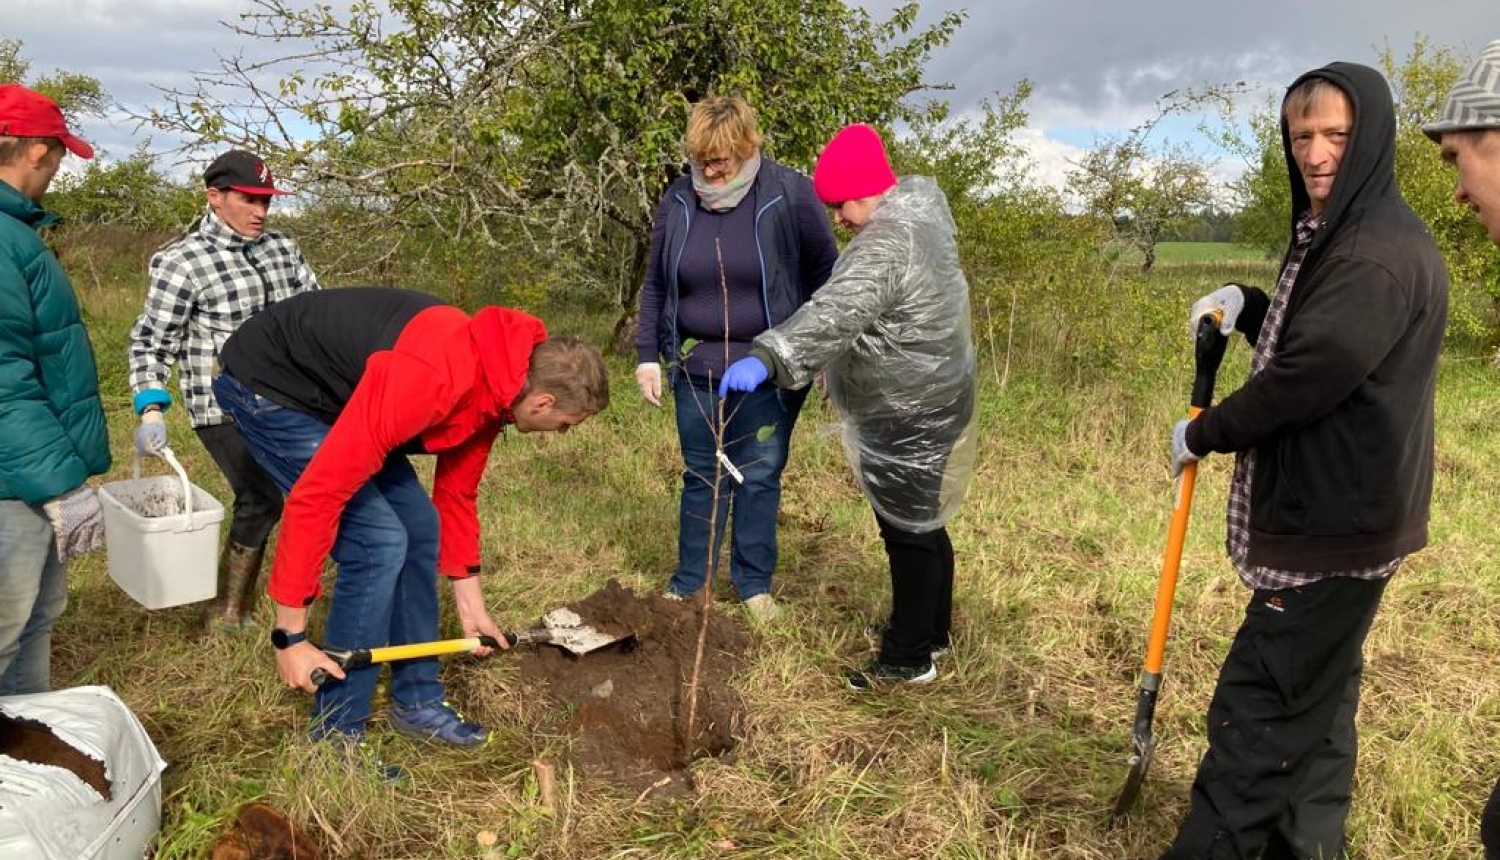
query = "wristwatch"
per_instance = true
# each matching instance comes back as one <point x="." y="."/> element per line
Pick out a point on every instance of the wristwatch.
<point x="282" y="640"/>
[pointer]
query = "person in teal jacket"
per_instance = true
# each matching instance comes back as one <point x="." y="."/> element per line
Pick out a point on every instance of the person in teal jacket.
<point x="50" y="415"/>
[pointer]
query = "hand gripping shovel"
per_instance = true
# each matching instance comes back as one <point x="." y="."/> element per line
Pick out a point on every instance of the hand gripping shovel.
<point x="561" y="627"/>
<point x="1208" y="351"/>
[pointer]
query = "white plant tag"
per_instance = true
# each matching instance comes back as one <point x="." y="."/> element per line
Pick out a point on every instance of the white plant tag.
<point x="728" y="466"/>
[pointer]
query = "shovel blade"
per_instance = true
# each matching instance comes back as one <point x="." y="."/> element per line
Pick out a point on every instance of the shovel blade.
<point x="1142" y="744"/>
<point x="1140" y="763"/>
<point x="566" y="630"/>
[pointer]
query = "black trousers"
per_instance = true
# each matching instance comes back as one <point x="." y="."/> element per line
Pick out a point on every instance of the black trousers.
<point x="902" y="472"/>
<point x="1276" y="780"/>
<point x="257" y="499"/>
<point x="1489" y="826"/>
<point x="921" y="594"/>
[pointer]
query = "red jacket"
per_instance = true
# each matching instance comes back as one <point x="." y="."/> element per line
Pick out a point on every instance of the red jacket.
<point x="449" y="382"/>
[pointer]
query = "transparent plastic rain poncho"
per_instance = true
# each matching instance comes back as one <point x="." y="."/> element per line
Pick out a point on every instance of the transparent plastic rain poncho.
<point x="891" y="328"/>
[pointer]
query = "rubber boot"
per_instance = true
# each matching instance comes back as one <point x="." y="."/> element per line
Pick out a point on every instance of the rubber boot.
<point x="239" y="570"/>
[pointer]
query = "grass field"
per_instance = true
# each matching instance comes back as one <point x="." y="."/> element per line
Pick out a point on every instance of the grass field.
<point x="1207" y="252"/>
<point x="1015" y="752"/>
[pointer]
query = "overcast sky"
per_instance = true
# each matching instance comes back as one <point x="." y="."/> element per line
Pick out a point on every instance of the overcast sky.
<point x="1097" y="67"/>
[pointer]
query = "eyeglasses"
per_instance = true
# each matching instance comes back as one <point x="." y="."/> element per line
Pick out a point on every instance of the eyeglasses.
<point x="717" y="165"/>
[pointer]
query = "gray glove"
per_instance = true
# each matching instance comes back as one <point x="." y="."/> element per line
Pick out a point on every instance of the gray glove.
<point x="1228" y="300"/>
<point x="77" y="521"/>
<point x="151" y="436"/>
<point x="1181" y="456"/>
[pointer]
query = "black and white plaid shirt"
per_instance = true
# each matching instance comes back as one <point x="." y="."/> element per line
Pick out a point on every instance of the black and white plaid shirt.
<point x="1238" y="539"/>
<point x="204" y="286"/>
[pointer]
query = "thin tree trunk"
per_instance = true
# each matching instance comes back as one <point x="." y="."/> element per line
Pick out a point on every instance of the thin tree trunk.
<point x="621" y="341"/>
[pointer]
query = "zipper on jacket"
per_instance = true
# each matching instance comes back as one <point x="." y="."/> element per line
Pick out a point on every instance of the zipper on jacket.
<point x="687" y="227"/>
<point x="765" y="288"/>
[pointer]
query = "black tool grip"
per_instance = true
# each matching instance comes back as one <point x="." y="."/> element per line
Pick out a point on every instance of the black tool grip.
<point x="1208" y="352"/>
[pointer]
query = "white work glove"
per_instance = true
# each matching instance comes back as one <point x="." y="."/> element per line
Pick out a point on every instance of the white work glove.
<point x="151" y="436"/>
<point x="77" y="522"/>
<point x="1181" y="456"/>
<point x="1228" y="300"/>
<point x="648" y="377"/>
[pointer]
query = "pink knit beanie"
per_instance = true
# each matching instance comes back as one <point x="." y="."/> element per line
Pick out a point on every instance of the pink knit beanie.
<point x="853" y="166"/>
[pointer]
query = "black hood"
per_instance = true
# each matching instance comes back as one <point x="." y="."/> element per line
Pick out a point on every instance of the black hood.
<point x="1367" y="172"/>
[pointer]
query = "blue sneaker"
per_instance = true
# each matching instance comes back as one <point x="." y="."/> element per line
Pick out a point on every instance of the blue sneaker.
<point x="438" y="723"/>
<point x="358" y="756"/>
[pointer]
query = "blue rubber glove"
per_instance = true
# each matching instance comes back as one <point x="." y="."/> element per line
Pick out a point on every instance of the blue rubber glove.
<point x="1181" y="456"/>
<point x="744" y="375"/>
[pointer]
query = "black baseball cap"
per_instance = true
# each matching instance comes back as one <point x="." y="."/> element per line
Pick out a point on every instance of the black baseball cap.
<point x="241" y="171"/>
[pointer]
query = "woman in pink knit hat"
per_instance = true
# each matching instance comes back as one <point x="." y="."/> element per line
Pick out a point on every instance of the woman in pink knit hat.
<point x="891" y="332"/>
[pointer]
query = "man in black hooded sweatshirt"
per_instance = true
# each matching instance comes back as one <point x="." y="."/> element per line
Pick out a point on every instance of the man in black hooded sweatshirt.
<point x="1333" y="440"/>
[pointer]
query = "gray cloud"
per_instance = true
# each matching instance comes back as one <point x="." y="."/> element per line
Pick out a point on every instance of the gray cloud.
<point x="1094" y="65"/>
<point x="1102" y="59"/>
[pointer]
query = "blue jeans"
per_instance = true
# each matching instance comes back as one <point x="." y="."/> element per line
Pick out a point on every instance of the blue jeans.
<point x="386" y="550"/>
<point x="756" y="501"/>
<point x="33" y="593"/>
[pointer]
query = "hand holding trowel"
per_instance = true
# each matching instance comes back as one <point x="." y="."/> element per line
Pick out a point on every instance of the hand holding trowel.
<point x="561" y="627"/>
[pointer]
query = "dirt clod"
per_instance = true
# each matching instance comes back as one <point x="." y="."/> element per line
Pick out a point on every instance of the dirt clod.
<point x="261" y="832"/>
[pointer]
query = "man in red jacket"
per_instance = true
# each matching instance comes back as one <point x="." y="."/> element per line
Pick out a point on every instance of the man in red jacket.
<point x="332" y="390"/>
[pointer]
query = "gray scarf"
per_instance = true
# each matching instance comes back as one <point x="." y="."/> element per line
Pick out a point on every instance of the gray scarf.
<point x="722" y="198"/>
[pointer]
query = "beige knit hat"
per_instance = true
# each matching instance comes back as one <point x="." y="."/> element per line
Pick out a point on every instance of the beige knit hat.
<point x="1474" y="101"/>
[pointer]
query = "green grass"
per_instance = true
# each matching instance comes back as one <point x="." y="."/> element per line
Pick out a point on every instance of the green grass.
<point x="1016" y="752"/>
<point x="1207" y="252"/>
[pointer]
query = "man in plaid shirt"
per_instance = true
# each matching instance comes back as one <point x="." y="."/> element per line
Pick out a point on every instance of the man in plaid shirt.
<point x="1333" y="441"/>
<point x="227" y="268"/>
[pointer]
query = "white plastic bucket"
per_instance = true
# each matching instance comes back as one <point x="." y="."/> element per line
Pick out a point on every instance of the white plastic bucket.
<point x="162" y="537"/>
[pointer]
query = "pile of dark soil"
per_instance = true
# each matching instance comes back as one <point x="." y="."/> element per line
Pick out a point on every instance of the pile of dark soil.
<point x="261" y="832"/>
<point x="29" y="740"/>
<point x="626" y="704"/>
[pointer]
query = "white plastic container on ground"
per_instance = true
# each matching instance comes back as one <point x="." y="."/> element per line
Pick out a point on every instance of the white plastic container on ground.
<point x="49" y="813"/>
<point x="162" y="537"/>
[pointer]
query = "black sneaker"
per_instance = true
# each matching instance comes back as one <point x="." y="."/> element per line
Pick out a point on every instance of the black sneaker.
<point x="876" y="674"/>
<point x="875" y="633"/>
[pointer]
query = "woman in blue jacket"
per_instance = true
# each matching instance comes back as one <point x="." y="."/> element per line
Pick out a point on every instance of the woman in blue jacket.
<point x="738" y="244"/>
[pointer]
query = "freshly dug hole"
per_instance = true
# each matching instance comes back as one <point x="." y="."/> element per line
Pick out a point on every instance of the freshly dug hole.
<point x="626" y="704"/>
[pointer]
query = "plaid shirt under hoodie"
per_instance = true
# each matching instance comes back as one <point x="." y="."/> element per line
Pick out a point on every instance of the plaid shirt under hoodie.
<point x="1238" y="537"/>
<point x="204" y="286"/>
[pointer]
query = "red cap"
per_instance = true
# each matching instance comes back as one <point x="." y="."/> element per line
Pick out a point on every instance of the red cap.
<point x="853" y="166"/>
<point x="28" y="113"/>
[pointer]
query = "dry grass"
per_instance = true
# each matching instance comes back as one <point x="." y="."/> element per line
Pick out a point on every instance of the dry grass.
<point x="1015" y="752"/>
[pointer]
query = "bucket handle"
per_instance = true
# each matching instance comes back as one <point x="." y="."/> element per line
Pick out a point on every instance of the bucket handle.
<point x="187" y="488"/>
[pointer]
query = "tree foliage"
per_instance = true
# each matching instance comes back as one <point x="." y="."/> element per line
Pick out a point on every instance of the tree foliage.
<point x="77" y="95"/>
<point x="549" y="125"/>
<point x="1146" y="189"/>
<point x="129" y="193"/>
<point x="1010" y="225"/>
